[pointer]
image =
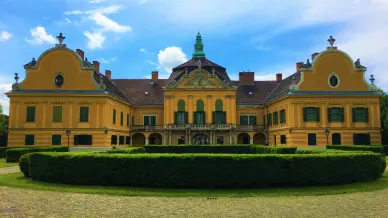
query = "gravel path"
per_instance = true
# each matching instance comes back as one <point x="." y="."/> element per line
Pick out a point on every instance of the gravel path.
<point x="30" y="203"/>
<point x="6" y="170"/>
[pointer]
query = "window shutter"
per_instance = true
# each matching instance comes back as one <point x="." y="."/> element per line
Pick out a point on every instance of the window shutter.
<point x="353" y="115"/>
<point x="186" y="117"/>
<point x="342" y="110"/>
<point x="153" y="120"/>
<point x="253" y="120"/>
<point x="318" y="114"/>
<point x="146" y="120"/>
<point x="204" y="117"/>
<point x="329" y="114"/>
<point x="195" y="117"/>
<point x="305" y="114"/>
<point x="175" y="117"/>
<point x="366" y="115"/>
<point x="214" y="117"/>
<point x="75" y="139"/>
<point x="241" y="120"/>
<point x="127" y="119"/>
<point x="224" y="117"/>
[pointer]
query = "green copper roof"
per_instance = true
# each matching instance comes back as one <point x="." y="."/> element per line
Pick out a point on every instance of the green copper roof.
<point x="198" y="48"/>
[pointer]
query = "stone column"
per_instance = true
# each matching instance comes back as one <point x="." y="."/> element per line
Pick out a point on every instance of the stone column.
<point x="348" y="115"/>
<point x="169" y="137"/>
<point x="324" y="114"/>
<point x="230" y="137"/>
<point x="146" y="140"/>
<point x="251" y="140"/>
<point x="130" y="141"/>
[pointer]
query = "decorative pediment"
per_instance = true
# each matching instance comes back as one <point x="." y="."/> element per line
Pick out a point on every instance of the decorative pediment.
<point x="199" y="79"/>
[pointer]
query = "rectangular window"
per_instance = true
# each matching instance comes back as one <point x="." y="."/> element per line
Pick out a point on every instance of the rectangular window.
<point x="127" y="119"/>
<point x="360" y="114"/>
<point x="150" y="120"/>
<point x="29" y="140"/>
<point x="121" y="118"/>
<point x="283" y="116"/>
<point x="247" y="120"/>
<point x="283" y="139"/>
<point x="84" y="114"/>
<point x="311" y="114"/>
<point x="219" y="117"/>
<point x="56" y="140"/>
<point x="30" y="114"/>
<point x="275" y="118"/>
<point x="57" y="114"/>
<point x="181" y="117"/>
<point x="335" y="114"/>
<point x="269" y="119"/>
<point x="127" y="141"/>
<point x="312" y="139"/>
<point x="121" y="140"/>
<point x="114" y="116"/>
<point x="199" y="117"/>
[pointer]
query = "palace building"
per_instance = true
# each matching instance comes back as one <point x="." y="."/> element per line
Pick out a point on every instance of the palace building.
<point x="64" y="99"/>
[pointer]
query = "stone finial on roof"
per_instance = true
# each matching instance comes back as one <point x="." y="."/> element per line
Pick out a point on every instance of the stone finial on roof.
<point x="30" y="64"/>
<point x="15" y="86"/>
<point x="102" y="86"/>
<point x="61" y="38"/>
<point x="358" y="64"/>
<point x="372" y="87"/>
<point x="331" y="41"/>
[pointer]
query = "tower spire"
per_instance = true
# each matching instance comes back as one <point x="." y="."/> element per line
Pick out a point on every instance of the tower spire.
<point x="198" y="48"/>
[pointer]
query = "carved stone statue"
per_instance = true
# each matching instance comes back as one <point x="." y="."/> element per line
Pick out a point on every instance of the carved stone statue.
<point x="86" y="63"/>
<point x="102" y="86"/>
<point x="308" y="64"/>
<point x="199" y="64"/>
<point x="358" y="64"/>
<point x="32" y="63"/>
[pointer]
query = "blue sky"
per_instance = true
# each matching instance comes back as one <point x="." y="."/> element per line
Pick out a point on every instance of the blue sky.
<point x="134" y="37"/>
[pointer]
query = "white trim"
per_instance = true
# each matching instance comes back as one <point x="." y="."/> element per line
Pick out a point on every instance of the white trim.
<point x="328" y="79"/>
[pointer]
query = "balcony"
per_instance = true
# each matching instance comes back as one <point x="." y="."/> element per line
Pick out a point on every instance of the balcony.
<point x="251" y="128"/>
<point x="146" y="128"/>
<point x="205" y="126"/>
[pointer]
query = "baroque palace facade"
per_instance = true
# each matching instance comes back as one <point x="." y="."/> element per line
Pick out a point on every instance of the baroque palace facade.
<point x="66" y="99"/>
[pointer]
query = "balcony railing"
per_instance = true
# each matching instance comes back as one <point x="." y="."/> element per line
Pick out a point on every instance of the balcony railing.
<point x="206" y="126"/>
<point x="250" y="128"/>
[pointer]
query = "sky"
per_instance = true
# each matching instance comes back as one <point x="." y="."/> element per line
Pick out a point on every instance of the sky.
<point x="134" y="37"/>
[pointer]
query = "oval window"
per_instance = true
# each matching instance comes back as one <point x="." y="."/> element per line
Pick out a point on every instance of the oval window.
<point x="333" y="81"/>
<point x="59" y="80"/>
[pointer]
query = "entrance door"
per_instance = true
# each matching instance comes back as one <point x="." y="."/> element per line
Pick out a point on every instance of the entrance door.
<point x="312" y="139"/>
<point x="361" y="139"/>
<point x="246" y="139"/>
<point x="336" y="139"/>
<point x="200" y="139"/>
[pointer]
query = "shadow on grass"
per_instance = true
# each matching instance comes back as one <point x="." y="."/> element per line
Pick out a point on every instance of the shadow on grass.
<point x="18" y="180"/>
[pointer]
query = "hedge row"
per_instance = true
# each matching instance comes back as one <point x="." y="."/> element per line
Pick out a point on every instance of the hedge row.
<point x="215" y="149"/>
<point x="257" y="149"/>
<point x="13" y="155"/>
<point x="138" y="150"/>
<point x="4" y="149"/>
<point x="373" y="148"/>
<point x="205" y="170"/>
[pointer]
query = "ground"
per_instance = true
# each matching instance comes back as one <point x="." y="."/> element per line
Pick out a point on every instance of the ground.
<point x="3" y="163"/>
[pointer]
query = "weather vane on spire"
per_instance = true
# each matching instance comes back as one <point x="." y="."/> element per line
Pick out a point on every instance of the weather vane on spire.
<point x="60" y="39"/>
<point x="331" y="41"/>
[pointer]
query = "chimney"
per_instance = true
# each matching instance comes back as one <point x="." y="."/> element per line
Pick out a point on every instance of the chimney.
<point x="313" y="56"/>
<point x="298" y="66"/>
<point x="80" y="53"/>
<point x="108" y="74"/>
<point x="96" y="66"/>
<point x="154" y="76"/>
<point x="278" y="77"/>
<point x="246" y="78"/>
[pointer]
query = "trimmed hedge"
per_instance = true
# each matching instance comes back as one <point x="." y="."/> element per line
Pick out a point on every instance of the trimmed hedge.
<point x="206" y="170"/>
<point x="385" y="149"/>
<point x="376" y="149"/>
<point x="13" y="155"/>
<point x="215" y="149"/>
<point x="4" y="149"/>
<point x="125" y="151"/>
<point x="24" y="164"/>
<point x="259" y="149"/>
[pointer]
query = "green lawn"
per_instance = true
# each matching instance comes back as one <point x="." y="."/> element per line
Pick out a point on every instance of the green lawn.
<point x="3" y="163"/>
<point x="17" y="180"/>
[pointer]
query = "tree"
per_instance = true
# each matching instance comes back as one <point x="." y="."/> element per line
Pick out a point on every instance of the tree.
<point x="384" y="117"/>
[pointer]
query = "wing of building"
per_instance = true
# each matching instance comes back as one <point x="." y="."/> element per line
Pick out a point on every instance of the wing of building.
<point x="65" y="99"/>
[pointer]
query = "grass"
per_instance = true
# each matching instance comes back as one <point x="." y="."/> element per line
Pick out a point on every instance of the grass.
<point x="17" y="180"/>
<point x="3" y="163"/>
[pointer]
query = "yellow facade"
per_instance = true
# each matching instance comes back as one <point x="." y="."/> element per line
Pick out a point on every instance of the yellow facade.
<point x="84" y="87"/>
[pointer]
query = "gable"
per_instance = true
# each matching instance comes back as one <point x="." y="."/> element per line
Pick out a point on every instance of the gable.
<point x="333" y="63"/>
<point x="199" y="79"/>
<point x="41" y="74"/>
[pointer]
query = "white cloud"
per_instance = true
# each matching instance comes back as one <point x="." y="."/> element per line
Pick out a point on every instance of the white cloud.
<point x="108" y="61"/>
<point x="141" y="2"/>
<point x="40" y="36"/>
<point x="5" y="86"/>
<point x="143" y="50"/>
<point x="103" y="10"/>
<point x="67" y="20"/>
<point x="107" y="24"/>
<point x="171" y="57"/>
<point x="95" y="40"/>
<point x="74" y="12"/>
<point x="96" y="1"/>
<point x="5" y="36"/>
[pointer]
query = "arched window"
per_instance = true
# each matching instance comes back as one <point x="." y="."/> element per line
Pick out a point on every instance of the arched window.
<point x="219" y="106"/>
<point x="200" y="105"/>
<point x="181" y="105"/>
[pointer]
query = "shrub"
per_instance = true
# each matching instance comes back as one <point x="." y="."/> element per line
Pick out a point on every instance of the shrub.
<point x="258" y="149"/>
<point x="13" y="154"/>
<point x="125" y="151"/>
<point x="4" y="149"/>
<point x="215" y="149"/>
<point x="376" y="149"/>
<point x="205" y="170"/>
<point x="24" y="164"/>
<point x="385" y="149"/>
